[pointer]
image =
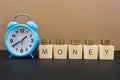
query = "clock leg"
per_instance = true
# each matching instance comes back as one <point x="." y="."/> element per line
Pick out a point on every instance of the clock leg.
<point x="10" y="56"/>
<point x="31" y="55"/>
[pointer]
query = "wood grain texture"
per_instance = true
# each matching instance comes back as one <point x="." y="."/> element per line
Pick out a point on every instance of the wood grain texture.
<point x="45" y="51"/>
<point x="60" y="51"/>
<point x="106" y="52"/>
<point x="90" y="52"/>
<point x="68" y="19"/>
<point x="75" y="52"/>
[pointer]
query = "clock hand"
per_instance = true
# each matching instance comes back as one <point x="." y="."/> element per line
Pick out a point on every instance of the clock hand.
<point x="16" y="43"/>
<point x="23" y="38"/>
<point x="19" y="41"/>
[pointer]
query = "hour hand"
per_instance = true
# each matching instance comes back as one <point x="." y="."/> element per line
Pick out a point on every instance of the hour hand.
<point x="16" y="43"/>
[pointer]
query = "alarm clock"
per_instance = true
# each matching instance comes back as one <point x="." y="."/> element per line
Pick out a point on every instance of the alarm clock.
<point x="21" y="40"/>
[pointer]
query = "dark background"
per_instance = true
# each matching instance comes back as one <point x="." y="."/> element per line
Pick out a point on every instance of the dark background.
<point x="37" y="69"/>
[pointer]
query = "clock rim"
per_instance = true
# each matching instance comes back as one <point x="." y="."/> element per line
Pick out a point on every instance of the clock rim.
<point x="35" y="44"/>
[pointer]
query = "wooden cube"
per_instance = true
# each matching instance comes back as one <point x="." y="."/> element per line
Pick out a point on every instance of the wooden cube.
<point x="90" y="51"/>
<point x="106" y="52"/>
<point x="45" y="51"/>
<point x="75" y="51"/>
<point x="60" y="51"/>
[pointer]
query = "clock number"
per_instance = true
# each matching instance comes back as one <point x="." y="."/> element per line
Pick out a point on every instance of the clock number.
<point x="17" y="31"/>
<point x="30" y="35"/>
<point x="13" y="35"/>
<point x="21" y="50"/>
<point x="11" y="40"/>
<point x="30" y="45"/>
<point x="26" y="49"/>
<point x="26" y="31"/>
<point x="21" y="30"/>
<point x="32" y="40"/>
<point x="16" y="49"/>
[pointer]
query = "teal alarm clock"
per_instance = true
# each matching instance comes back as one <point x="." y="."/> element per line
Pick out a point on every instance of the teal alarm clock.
<point x="21" y="40"/>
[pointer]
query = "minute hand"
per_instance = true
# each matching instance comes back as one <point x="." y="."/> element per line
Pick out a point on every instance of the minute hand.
<point x="23" y="38"/>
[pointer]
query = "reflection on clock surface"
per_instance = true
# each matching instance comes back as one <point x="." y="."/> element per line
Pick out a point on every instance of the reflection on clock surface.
<point x="20" y="40"/>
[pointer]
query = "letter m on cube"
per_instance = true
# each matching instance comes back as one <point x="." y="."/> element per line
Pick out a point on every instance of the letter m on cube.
<point x="45" y="51"/>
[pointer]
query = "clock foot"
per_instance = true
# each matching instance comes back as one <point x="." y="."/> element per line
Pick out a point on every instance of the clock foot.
<point x="10" y="56"/>
<point x="31" y="55"/>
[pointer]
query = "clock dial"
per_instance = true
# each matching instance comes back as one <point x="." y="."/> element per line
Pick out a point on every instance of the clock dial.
<point x="20" y="40"/>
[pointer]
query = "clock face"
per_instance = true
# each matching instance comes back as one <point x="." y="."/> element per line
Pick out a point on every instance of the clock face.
<point x="20" y="40"/>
